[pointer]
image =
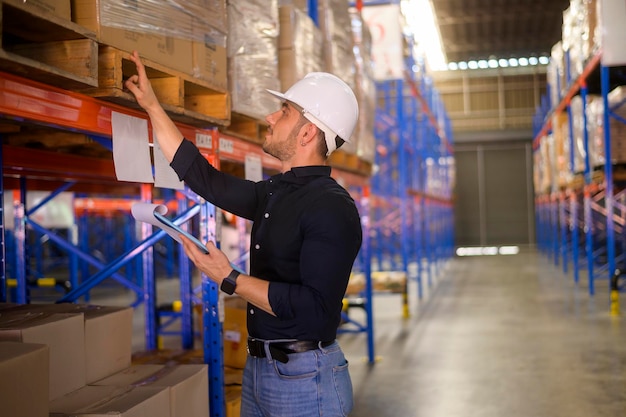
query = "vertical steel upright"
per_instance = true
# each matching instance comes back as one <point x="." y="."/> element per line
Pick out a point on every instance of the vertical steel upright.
<point x="608" y="177"/>
<point x="212" y="327"/>
<point x="149" y="281"/>
<point x="21" y="249"/>
<point x="3" y="251"/>
<point x="186" y="287"/>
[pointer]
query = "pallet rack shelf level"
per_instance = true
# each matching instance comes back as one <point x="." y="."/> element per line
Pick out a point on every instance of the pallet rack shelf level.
<point x="28" y="102"/>
<point x="582" y="218"/>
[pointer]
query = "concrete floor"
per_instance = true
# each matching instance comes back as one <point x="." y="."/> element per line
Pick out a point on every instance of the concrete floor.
<point x="491" y="337"/>
<point x="496" y="336"/>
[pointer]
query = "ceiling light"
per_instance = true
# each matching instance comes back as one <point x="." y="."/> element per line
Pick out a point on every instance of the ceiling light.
<point x="533" y="60"/>
<point x="493" y="63"/>
<point x="523" y="62"/>
<point x="513" y="62"/>
<point x="544" y="60"/>
<point x="482" y="64"/>
<point x="463" y="65"/>
<point x="472" y="64"/>
<point x="453" y="66"/>
<point x="508" y="250"/>
<point x="503" y="63"/>
<point x="421" y="20"/>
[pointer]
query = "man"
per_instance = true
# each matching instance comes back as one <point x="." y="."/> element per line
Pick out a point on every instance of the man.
<point x="305" y="237"/>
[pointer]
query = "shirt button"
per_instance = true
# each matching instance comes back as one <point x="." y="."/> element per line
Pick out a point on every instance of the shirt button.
<point x="267" y="215"/>
<point x="257" y="246"/>
<point x="251" y="311"/>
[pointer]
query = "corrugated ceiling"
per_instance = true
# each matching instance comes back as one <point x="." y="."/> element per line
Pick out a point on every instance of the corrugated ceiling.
<point x="479" y="29"/>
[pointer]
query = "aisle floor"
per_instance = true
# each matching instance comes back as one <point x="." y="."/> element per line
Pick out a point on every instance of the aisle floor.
<point x="492" y="336"/>
<point x="495" y="336"/>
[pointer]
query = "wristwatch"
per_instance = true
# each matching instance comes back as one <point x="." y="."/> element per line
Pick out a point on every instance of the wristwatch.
<point x="230" y="282"/>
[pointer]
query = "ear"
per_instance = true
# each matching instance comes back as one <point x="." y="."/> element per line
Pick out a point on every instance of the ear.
<point x="308" y="132"/>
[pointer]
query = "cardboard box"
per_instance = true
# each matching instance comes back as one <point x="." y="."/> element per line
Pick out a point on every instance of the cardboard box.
<point x="112" y="401"/>
<point x="235" y="333"/>
<point x="210" y="63"/>
<point x="233" y="401"/>
<point x="188" y="385"/>
<point x="108" y="335"/>
<point x="168" y="51"/>
<point x="24" y="379"/>
<point x="300" y="45"/>
<point x="60" y="8"/>
<point x="108" y="340"/>
<point x="209" y="55"/>
<point x="64" y="334"/>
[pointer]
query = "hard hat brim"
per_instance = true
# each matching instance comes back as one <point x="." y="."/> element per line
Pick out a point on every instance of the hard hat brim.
<point x="276" y="94"/>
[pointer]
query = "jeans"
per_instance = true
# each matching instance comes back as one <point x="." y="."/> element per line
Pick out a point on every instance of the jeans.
<point x="312" y="384"/>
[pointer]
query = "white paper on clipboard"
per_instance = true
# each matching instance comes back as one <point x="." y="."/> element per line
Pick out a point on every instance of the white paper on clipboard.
<point x="154" y="214"/>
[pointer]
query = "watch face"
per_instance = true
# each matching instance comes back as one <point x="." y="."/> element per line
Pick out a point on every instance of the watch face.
<point x="230" y="282"/>
<point x="228" y="286"/>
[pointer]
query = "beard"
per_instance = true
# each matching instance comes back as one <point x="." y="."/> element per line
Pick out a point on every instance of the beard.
<point x="285" y="149"/>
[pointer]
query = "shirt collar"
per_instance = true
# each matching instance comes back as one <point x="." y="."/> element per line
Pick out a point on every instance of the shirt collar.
<point x="302" y="175"/>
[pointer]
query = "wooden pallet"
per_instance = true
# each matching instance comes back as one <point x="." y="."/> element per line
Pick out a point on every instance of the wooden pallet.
<point x="46" y="48"/>
<point x="185" y="98"/>
<point x="246" y="128"/>
<point x="57" y="141"/>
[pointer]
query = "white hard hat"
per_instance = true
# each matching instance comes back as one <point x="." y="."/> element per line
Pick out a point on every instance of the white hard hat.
<point x="327" y="102"/>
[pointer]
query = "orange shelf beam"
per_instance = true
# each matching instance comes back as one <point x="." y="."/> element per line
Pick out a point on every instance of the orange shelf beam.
<point x="24" y="99"/>
<point x="235" y="149"/>
<point x="575" y="87"/>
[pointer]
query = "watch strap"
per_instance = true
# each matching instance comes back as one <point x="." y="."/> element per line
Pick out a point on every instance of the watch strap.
<point x="230" y="282"/>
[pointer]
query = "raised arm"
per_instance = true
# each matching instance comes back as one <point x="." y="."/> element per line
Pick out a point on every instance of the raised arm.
<point x="163" y="128"/>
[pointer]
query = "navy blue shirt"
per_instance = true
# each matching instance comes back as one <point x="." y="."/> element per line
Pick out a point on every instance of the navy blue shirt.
<point x="306" y="234"/>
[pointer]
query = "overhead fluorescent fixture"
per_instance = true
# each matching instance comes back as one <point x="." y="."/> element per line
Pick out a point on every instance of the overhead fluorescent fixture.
<point x="422" y="24"/>
<point x="487" y="250"/>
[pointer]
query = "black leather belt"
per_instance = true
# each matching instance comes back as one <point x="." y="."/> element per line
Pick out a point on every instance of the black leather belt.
<point x="280" y="350"/>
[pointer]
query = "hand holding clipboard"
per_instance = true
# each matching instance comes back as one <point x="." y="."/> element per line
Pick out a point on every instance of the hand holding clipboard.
<point x="155" y="215"/>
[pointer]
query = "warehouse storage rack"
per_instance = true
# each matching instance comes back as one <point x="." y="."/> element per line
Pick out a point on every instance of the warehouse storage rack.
<point x="34" y="103"/>
<point x="582" y="224"/>
<point x="37" y="103"/>
<point x="412" y="217"/>
<point x="423" y="222"/>
<point x="31" y="102"/>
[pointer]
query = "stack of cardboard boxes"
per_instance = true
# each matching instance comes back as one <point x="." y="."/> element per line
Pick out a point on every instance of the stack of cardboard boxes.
<point x="235" y="351"/>
<point x="74" y="359"/>
<point x="300" y="45"/>
<point x="163" y="32"/>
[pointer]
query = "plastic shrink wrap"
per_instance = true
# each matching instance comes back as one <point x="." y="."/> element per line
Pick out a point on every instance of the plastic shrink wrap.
<point x="253" y="56"/>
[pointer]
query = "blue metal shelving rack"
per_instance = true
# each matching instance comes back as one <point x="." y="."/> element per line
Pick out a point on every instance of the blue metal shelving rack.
<point x="412" y="218"/>
<point x="583" y="227"/>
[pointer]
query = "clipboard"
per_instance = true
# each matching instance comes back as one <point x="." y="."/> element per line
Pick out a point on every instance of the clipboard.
<point x="167" y="222"/>
<point x="154" y="214"/>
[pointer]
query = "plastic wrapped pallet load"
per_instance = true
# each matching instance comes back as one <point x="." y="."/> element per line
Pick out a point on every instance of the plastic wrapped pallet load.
<point x="163" y="32"/>
<point x="334" y="21"/>
<point x="365" y="89"/>
<point x="299" y="45"/>
<point x="253" y="56"/>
